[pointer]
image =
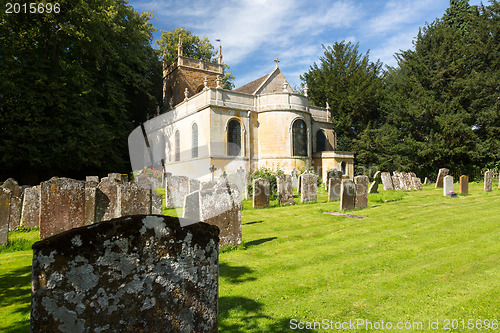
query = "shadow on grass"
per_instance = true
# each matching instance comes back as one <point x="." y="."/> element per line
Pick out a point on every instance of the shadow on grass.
<point x="14" y="288"/>
<point x="241" y="314"/>
<point x="259" y="241"/>
<point x="236" y="274"/>
<point x="253" y="222"/>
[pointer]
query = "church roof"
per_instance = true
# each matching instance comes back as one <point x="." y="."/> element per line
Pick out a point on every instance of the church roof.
<point x="251" y="88"/>
<point x="270" y="83"/>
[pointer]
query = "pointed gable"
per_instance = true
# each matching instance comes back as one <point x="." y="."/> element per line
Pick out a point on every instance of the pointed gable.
<point x="267" y="84"/>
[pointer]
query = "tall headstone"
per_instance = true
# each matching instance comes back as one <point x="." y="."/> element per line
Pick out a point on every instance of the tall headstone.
<point x="177" y="187"/>
<point x="334" y="188"/>
<point x="134" y="199"/>
<point x="387" y="181"/>
<point x="285" y="190"/>
<point x="241" y="180"/>
<point x="62" y="206"/>
<point x="15" y="202"/>
<point x="295" y="178"/>
<point x="330" y="173"/>
<point x="488" y="181"/>
<point x="131" y="274"/>
<point x="90" y="203"/>
<point x="156" y="204"/>
<point x="464" y="184"/>
<point x="361" y="183"/>
<point x="417" y="183"/>
<point x="107" y="199"/>
<point x="441" y="174"/>
<point x="447" y="185"/>
<point x="309" y="187"/>
<point x="5" y="196"/>
<point x="148" y="181"/>
<point x="347" y="195"/>
<point x="30" y="215"/>
<point x="194" y="185"/>
<point x="376" y="182"/>
<point x="427" y="181"/>
<point x="260" y="192"/>
<point x="396" y="182"/>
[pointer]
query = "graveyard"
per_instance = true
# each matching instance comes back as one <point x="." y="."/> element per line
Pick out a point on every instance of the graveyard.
<point x="410" y="256"/>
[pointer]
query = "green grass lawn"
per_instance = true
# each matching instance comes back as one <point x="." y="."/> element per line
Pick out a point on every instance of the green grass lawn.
<point x="417" y="256"/>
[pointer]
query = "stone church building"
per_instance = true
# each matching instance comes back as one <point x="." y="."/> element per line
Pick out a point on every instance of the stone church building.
<point x="205" y="130"/>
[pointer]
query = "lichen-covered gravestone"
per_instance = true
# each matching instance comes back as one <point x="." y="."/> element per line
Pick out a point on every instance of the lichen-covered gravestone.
<point x="260" y="193"/>
<point x="134" y="199"/>
<point x="488" y="181"/>
<point x="361" y="183"/>
<point x="285" y="190"/>
<point x="464" y="184"/>
<point x="131" y="274"/>
<point x="396" y="182"/>
<point x="156" y="204"/>
<point x="107" y="199"/>
<point x="334" y="184"/>
<point x="30" y="215"/>
<point x="15" y="202"/>
<point x="5" y="196"/>
<point x="176" y="188"/>
<point x="62" y="206"/>
<point x="347" y="195"/>
<point x="441" y="174"/>
<point x="92" y="179"/>
<point x="417" y="183"/>
<point x="447" y="185"/>
<point x="387" y="181"/>
<point x="309" y="187"/>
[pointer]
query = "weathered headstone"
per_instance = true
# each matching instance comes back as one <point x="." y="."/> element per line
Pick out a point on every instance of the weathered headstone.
<point x="5" y="196"/>
<point x="417" y="183"/>
<point x="361" y="183"/>
<point x="309" y="187"/>
<point x="376" y="182"/>
<point x="427" y="181"/>
<point x="30" y="215"/>
<point x="285" y="189"/>
<point x="148" y="181"/>
<point x="15" y="202"/>
<point x="295" y="179"/>
<point x="260" y="192"/>
<point x="488" y="181"/>
<point x="347" y="195"/>
<point x="90" y="203"/>
<point x="107" y="199"/>
<point x="194" y="185"/>
<point x="156" y="204"/>
<point x="62" y="206"/>
<point x="92" y="179"/>
<point x="387" y="181"/>
<point x="396" y="183"/>
<point x="405" y="181"/>
<point x="412" y="175"/>
<point x="132" y="274"/>
<point x="208" y="184"/>
<point x="441" y="174"/>
<point x="447" y="185"/>
<point x="464" y="184"/>
<point x="116" y="176"/>
<point x="134" y="200"/>
<point x="240" y="179"/>
<point x="177" y="187"/>
<point x="334" y="188"/>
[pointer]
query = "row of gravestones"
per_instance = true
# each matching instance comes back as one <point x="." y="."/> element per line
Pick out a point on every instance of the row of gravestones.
<point x="400" y="181"/>
<point x="60" y="204"/>
<point x="446" y="181"/>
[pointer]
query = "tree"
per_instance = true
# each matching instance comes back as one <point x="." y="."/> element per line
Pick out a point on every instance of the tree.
<point x="74" y="84"/>
<point x="352" y="85"/>
<point x="192" y="47"/>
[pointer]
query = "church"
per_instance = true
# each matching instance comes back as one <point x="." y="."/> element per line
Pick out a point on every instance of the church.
<point x="206" y="130"/>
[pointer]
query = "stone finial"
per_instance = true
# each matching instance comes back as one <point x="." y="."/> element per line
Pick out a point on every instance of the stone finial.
<point x="179" y="47"/>
<point x="219" y="81"/>
<point x="186" y="94"/>
<point x="285" y="87"/>
<point x="306" y="89"/>
<point x="277" y="62"/>
<point x="220" y="53"/>
<point x="205" y="83"/>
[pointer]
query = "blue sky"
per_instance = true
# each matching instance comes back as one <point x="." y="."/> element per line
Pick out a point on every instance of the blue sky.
<point x="254" y="32"/>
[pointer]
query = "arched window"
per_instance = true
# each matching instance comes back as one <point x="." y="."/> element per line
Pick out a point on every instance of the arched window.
<point x="320" y="141"/>
<point x="234" y="138"/>
<point x="177" y="146"/>
<point x="343" y="167"/>
<point x="194" y="136"/>
<point x="299" y="138"/>
<point x="200" y="88"/>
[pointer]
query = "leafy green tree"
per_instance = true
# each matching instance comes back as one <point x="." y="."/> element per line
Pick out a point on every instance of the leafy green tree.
<point x="74" y="84"/>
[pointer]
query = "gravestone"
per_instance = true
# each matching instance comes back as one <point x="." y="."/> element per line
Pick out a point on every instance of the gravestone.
<point x="107" y="199"/>
<point x="417" y="184"/>
<point x="156" y="204"/>
<point x="488" y="181"/>
<point x="30" y="215"/>
<point x="464" y="184"/>
<point x="194" y="185"/>
<point x="90" y="203"/>
<point x="427" y="181"/>
<point x="361" y="200"/>
<point x="396" y="183"/>
<point x="441" y="174"/>
<point x="148" y="181"/>
<point x="240" y="179"/>
<point x="387" y="181"/>
<point x="330" y="173"/>
<point x="92" y="179"/>
<point x="177" y="187"/>
<point x="15" y="202"/>
<point x="405" y="181"/>
<point x="285" y="189"/>
<point x="347" y="195"/>
<point x="260" y="192"/>
<point x="124" y="178"/>
<point x="208" y="185"/>
<point x="309" y="187"/>
<point x="376" y="182"/>
<point x="334" y="188"/>
<point x="134" y="199"/>
<point x="115" y="176"/>
<point x="411" y="176"/>
<point x="447" y="185"/>
<point x="5" y="196"/>
<point x="62" y="206"/>
<point x="131" y="274"/>
<point x="295" y="178"/>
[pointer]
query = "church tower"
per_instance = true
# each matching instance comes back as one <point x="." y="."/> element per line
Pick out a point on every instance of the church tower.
<point x="186" y="77"/>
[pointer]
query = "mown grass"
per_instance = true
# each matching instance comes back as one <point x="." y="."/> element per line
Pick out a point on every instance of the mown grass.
<point x="416" y="256"/>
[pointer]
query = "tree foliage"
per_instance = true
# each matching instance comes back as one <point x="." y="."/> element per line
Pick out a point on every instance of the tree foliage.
<point x="73" y="85"/>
